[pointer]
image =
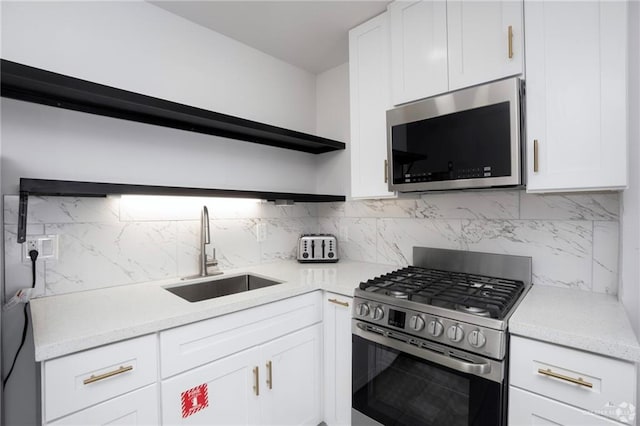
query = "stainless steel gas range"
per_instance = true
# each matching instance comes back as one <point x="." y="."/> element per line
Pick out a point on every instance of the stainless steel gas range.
<point x="430" y="341"/>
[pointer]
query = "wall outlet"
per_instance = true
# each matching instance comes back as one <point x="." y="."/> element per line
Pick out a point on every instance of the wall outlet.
<point x="261" y="232"/>
<point x="46" y="245"/>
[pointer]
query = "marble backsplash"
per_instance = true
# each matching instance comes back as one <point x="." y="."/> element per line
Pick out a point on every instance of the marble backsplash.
<point x="573" y="239"/>
<point x="113" y="241"/>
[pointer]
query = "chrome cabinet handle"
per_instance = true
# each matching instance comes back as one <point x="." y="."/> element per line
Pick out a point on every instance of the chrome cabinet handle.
<point x="269" y="375"/>
<point x="510" y="42"/>
<point x="338" y="302"/>
<point x="535" y="156"/>
<point x="579" y="381"/>
<point x="99" y="377"/>
<point x="256" y="381"/>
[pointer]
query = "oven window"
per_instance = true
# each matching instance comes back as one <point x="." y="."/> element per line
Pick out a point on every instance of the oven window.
<point x="395" y="388"/>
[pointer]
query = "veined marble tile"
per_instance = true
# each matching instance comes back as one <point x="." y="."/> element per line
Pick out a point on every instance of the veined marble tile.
<point x="297" y="210"/>
<point x="283" y="235"/>
<point x="103" y="255"/>
<point x="397" y="237"/>
<point x="139" y="208"/>
<point x="18" y="275"/>
<point x="561" y="251"/>
<point x="331" y="209"/>
<point x="381" y="208"/>
<point x="361" y="232"/>
<point x="605" y="257"/>
<point x="469" y="205"/>
<point x="594" y="206"/>
<point x="234" y="240"/>
<point x="63" y="209"/>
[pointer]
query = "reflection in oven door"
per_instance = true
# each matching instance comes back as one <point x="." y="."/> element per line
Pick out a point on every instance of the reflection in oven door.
<point x="392" y="387"/>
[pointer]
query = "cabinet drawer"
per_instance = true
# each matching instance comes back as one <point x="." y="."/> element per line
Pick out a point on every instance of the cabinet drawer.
<point x="526" y="408"/>
<point x="599" y="382"/>
<point x="136" y="408"/>
<point x="82" y="379"/>
<point x="189" y="346"/>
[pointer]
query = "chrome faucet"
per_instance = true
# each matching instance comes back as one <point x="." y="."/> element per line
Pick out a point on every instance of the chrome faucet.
<point x="205" y="238"/>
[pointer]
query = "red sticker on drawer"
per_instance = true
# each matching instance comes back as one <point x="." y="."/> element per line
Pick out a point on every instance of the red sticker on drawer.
<point x="194" y="400"/>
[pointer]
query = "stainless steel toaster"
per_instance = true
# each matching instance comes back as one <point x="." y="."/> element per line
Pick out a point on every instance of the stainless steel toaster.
<point x="318" y="248"/>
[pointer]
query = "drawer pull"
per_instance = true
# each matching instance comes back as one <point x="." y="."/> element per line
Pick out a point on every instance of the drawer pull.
<point x="535" y="155"/>
<point x="579" y="381"/>
<point x="510" y="53"/>
<point x="338" y="302"/>
<point x="120" y="370"/>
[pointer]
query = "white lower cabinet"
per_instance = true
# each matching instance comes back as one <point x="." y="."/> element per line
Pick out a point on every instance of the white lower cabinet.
<point x="556" y="385"/>
<point x="337" y="359"/>
<point x="136" y="408"/>
<point x="275" y="383"/>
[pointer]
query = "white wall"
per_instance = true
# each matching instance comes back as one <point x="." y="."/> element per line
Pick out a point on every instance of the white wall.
<point x="136" y="46"/>
<point x="52" y="143"/>
<point x="630" y="220"/>
<point x="332" y="118"/>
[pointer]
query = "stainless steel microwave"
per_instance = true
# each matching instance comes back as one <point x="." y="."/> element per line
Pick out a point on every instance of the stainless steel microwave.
<point x="470" y="138"/>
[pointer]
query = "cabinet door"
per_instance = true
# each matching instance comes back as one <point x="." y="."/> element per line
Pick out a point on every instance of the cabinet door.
<point x="526" y="408"/>
<point x="576" y="95"/>
<point x="291" y="381"/>
<point x="337" y="359"/>
<point x="136" y="408"/>
<point x="484" y="41"/>
<point x="370" y="97"/>
<point x="220" y="393"/>
<point x="418" y="49"/>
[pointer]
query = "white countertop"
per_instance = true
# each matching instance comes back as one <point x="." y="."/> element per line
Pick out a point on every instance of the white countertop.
<point x="73" y="322"/>
<point x="592" y="322"/>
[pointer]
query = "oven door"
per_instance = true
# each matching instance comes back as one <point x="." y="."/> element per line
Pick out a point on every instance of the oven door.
<point x="403" y="380"/>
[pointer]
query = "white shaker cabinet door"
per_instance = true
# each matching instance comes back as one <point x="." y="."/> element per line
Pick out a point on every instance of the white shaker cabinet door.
<point x="137" y="408"/>
<point x="370" y="97"/>
<point x="224" y="392"/>
<point x="418" y="49"/>
<point x="291" y="379"/>
<point x="530" y="409"/>
<point x="337" y="359"/>
<point x="485" y="41"/>
<point x="576" y="95"/>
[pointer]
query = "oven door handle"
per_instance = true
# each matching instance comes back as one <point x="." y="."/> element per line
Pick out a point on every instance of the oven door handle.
<point x="444" y="356"/>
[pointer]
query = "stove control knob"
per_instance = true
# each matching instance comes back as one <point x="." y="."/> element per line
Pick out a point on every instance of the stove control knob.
<point x="477" y="339"/>
<point x="435" y="328"/>
<point x="362" y="310"/>
<point x="377" y="313"/>
<point x="416" y="323"/>
<point x="455" y="333"/>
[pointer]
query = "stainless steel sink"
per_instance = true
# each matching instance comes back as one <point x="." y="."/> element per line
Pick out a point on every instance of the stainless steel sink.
<point x="220" y="287"/>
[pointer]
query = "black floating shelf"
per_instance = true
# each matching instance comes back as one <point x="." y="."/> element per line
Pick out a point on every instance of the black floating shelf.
<point x="31" y="84"/>
<point x="100" y="189"/>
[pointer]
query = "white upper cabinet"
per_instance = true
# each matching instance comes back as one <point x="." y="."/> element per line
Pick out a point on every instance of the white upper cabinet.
<point x="418" y="49"/>
<point x="576" y="95"/>
<point x="370" y="97"/>
<point x="485" y="41"/>
<point x="439" y="46"/>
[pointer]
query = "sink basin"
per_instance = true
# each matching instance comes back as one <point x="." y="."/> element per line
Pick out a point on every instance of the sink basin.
<point x="220" y="287"/>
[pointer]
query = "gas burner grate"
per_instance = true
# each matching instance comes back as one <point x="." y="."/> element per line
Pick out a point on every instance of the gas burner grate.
<point x="484" y="295"/>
